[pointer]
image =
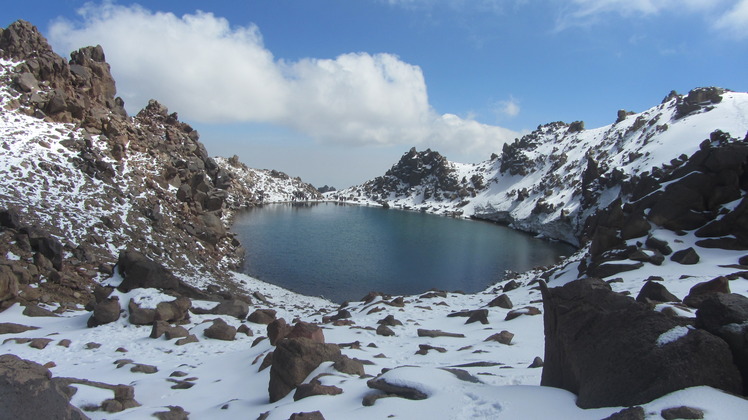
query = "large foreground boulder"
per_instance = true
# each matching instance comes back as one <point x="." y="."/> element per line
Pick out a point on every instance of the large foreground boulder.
<point x="293" y="360"/>
<point x="613" y="351"/>
<point x="27" y="391"/>
<point x="726" y="316"/>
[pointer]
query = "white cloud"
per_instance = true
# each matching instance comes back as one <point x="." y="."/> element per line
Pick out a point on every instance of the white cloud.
<point x="727" y="16"/>
<point x="209" y="71"/>
<point x="508" y="108"/>
<point x="735" y="21"/>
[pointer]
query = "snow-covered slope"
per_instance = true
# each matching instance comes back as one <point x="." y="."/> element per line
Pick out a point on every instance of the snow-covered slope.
<point x="550" y="181"/>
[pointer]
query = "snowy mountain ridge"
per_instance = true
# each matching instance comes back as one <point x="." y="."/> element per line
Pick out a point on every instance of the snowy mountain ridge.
<point x="550" y="181"/>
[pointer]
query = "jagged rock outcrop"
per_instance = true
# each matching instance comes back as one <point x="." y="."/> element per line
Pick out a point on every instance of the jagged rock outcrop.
<point x="613" y="351"/>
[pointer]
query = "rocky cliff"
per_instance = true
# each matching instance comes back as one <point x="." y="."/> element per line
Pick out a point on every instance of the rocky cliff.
<point x="83" y="181"/>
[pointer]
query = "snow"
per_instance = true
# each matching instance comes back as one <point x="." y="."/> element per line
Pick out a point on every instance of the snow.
<point x="671" y="335"/>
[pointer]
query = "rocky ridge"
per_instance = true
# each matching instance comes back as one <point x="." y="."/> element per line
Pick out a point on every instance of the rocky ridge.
<point x="83" y="181"/>
<point x="550" y="181"/>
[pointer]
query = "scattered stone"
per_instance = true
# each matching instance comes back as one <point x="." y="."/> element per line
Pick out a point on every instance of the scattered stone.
<point x="192" y="338"/>
<point x="307" y="330"/>
<point x="504" y="337"/>
<point x="389" y="320"/>
<point x="220" y="330"/>
<point x="277" y="330"/>
<point x="235" y="307"/>
<point x="174" y="413"/>
<point x="262" y="316"/>
<point x="536" y="362"/>
<point x="244" y="329"/>
<point x="527" y="310"/>
<point x="686" y="256"/>
<point x="350" y="366"/>
<point x="385" y="331"/>
<point x="423" y="349"/>
<point x="92" y="345"/>
<point x="701" y="291"/>
<point x="501" y="301"/>
<point x="124" y="398"/>
<point x="40" y="343"/>
<point x="314" y="415"/>
<point x="511" y="285"/>
<point x="438" y="333"/>
<point x="314" y="388"/>
<point x="398" y="302"/>
<point x="176" y="311"/>
<point x="479" y="315"/>
<point x="380" y="383"/>
<point x="12" y="328"/>
<point x="682" y="412"/>
<point x="64" y="343"/>
<point x="105" y="312"/>
<point x="655" y="292"/>
<point x="631" y="413"/>
<point x="140" y="316"/>
<point x="293" y="360"/>
<point x="142" y="368"/>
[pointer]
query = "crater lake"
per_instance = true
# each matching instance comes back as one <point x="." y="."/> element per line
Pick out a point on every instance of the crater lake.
<point x="341" y="252"/>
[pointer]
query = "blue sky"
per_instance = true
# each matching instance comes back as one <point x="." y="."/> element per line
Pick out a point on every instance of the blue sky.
<point x="335" y="91"/>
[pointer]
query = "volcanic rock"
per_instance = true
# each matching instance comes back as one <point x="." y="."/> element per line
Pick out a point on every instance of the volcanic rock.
<point x="608" y="349"/>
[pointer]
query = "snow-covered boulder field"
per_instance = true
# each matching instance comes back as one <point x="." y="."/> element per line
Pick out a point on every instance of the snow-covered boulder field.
<point x="117" y="298"/>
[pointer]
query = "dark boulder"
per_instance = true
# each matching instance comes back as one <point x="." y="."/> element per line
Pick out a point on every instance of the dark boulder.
<point x="28" y="391"/>
<point x="105" y="312"/>
<point x="501" y="301"/>
<point x="140" y="316"/>
<point x="277" y="330"/>
<point x="176" y="310"/>
<point x="686" y="256"/>
<point x="655" y="292"/>
<point x="234" y="307"/>
<point x="220" y="330"/>
<point x="293" y="360"/>
<point x="314" y="388"/>
<point x="613" y="351"/>
<point x="307" y="330"/>
<point x="262" y="316"/>
<point x="726" y="315"/>
<point x="380" y="383"/>
<point x="658" y="245"/>
<point x="701" y="291"/>
<point x="140" y="271"/>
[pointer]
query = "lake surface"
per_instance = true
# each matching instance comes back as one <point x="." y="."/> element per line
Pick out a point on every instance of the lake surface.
<point x="342" y="251"/>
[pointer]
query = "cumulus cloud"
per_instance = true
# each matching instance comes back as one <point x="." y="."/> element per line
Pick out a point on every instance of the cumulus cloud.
<point x="210" y="71"/>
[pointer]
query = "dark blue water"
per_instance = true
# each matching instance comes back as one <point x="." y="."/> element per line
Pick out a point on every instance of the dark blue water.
<point x="342" y="252"/>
